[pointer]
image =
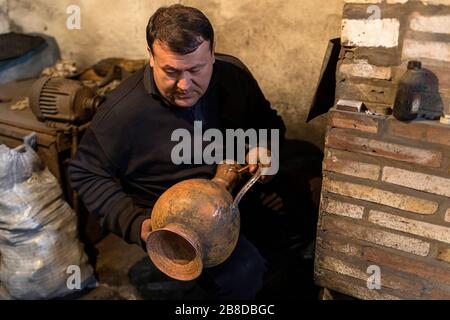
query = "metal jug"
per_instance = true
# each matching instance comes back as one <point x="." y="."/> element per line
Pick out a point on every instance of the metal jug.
<point x="196" y="223"/>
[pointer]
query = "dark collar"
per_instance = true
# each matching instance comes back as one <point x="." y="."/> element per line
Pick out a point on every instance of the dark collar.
<point x="149" y="81"/>
<point x="150" y="85"/>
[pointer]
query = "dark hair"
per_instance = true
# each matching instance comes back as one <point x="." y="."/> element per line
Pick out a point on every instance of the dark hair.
<point x="182" y="28"/>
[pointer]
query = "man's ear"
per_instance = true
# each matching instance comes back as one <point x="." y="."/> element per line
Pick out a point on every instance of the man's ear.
<point x="214" y="52"/>
<point x="152" y="61"/>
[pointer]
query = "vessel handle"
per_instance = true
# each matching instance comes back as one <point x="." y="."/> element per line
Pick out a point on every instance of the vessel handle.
<point x="248" y="185"/>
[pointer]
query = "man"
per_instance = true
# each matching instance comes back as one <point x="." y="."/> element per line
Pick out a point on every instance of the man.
<point x="123" y="163"/>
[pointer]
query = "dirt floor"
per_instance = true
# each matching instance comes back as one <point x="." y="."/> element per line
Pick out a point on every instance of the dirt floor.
<point x="124" y="272"/>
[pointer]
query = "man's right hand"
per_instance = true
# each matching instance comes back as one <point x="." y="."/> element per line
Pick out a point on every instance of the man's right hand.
<point x="146" y="228"/>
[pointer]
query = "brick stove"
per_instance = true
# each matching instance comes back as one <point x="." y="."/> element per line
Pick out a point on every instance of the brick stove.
<point x="385" y="201"/>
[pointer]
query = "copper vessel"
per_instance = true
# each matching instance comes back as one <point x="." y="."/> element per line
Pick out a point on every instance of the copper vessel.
<point x="196" y="223"/>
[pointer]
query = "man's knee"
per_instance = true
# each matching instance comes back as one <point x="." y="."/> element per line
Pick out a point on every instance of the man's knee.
<point x="248" y="262"/>
<point x="241" y="275"/>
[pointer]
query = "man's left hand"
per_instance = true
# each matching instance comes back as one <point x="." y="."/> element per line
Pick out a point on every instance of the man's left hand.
<point x="259" y="156"/>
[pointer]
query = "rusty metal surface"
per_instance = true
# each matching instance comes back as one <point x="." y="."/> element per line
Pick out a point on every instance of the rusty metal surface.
<point x="16" y="124"/>
<point x="24" y="119"/>
<point x="196" y="224"/>
<point x="63" y="100"/>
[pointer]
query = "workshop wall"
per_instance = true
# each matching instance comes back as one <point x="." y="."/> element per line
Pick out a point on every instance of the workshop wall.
<point x="282" y="42"/>
<point x="4" y="20"/>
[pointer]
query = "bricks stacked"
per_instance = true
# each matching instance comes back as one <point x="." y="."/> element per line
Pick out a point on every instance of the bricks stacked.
<point x="385" y="202"/>
<point x="380" y="36"/>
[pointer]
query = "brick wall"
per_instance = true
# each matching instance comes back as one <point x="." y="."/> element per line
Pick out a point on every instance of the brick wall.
<point x="385" y="202"/>
<point x="380" y="36"/>
<point x="385" y="198"/>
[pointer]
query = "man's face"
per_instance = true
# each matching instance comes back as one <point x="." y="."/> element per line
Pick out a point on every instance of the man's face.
<point x="182" y="79"/>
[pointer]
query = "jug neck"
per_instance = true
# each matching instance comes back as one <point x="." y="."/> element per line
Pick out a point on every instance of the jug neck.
<point x="227" y="175"/>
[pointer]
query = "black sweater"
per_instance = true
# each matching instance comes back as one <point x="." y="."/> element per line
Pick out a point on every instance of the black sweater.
<point x="123" y="163"/>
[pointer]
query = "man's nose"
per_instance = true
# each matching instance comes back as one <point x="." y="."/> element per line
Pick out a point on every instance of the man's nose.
<point x="184" y="82"/>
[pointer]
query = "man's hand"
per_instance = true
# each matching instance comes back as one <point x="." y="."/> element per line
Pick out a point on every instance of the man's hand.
<point x="261" y="156"/>
<point x="146" y="228"/>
